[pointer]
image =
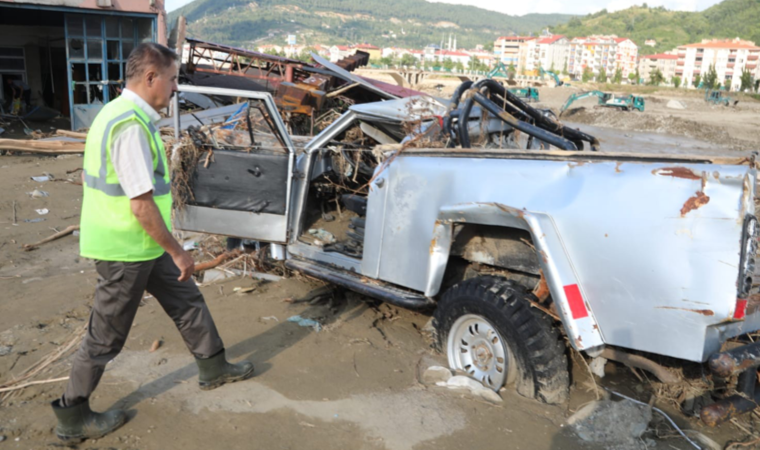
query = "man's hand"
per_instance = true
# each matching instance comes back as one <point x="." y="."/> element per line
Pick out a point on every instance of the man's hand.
<point x="145" y="210"/>
<point x="185" y="263"/>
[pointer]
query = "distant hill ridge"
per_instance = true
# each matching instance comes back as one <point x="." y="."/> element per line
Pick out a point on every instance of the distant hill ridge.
<point x="415" y="23"/>
<point x="728" y="19"/>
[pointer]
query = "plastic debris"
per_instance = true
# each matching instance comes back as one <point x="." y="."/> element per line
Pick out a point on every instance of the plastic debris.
<point x="306" y="322"/>
<point x="268" y="318"/>
<point x="37" y="220"/>
<point x="38" y="194"/>
<point x="41" y="179"/>
<point x="244" y="290"/>
<point x="42" y="211"/>
<point x="190" y="245"/>
<point x="323" y="235"/>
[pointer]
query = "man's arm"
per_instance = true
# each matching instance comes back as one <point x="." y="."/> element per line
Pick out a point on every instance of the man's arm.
<point x="145" y="210"/>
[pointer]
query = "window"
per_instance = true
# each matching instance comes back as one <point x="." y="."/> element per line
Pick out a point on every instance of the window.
<point x="98" y="50"/>
<point x="12" y="60"/>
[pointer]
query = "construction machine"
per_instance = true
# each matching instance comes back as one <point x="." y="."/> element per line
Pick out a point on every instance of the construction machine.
<point x="717" y="97"/>
<point x="528" y="94"/>
<point x="543" y="72"/>
<point x="625" y="103"/>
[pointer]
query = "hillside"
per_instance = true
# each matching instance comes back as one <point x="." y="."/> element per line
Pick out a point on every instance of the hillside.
<point x="414" y="23"/>
<point x="728" y="19"/>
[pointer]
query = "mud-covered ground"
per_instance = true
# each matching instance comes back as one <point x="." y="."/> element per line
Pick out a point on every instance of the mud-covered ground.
<point x="352" y="385"/>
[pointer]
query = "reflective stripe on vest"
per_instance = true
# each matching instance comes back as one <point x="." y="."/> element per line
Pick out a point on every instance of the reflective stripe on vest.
<point x="160" y="185"/>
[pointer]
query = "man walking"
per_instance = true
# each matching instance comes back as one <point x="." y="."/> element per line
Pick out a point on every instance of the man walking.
<point x="125" y="228"/>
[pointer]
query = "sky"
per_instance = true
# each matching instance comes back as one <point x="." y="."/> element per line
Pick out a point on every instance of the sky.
<point x="519" y="8"/>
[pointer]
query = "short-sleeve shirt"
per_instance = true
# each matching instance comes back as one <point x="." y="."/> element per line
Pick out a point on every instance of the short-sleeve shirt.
<point x="130" y="151"/>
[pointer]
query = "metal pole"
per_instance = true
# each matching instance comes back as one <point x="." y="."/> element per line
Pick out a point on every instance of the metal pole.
<point x="175" y="114"/>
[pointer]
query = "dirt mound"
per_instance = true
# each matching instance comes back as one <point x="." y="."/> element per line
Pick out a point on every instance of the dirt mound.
<point x="655" y="123"/>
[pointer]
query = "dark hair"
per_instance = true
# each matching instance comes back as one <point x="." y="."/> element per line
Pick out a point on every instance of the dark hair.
<point x="147" y="55"/>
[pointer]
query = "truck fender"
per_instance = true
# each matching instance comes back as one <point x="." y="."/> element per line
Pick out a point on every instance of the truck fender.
<point x="566" y="291"/>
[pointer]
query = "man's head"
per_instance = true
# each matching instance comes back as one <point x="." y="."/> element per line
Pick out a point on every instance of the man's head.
<point x="152" y="73"/>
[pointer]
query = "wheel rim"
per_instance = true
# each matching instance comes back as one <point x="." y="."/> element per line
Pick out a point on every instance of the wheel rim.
<point x="475" y="347"/>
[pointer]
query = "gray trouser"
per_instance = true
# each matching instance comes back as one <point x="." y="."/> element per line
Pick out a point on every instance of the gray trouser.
<point x="117" y="296"/>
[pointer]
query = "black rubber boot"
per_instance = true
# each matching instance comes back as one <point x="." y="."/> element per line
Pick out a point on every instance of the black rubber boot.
<point x="216" y="371"/>
<point x="79" y="422"/>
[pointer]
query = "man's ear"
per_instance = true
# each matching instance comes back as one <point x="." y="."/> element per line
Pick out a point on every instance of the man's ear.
<point x="150" y="76"/>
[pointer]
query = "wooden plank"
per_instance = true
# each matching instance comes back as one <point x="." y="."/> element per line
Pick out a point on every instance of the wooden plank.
<point x="32" y="146"/>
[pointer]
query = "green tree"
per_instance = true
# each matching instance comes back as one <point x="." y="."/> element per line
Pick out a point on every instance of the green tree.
<point x="473" y="63"/>
<point x="386" y="61"/>
<point x="459" y="66"/>
<point x="631" y="77"/>
<point x="511" y="71"/>
<point x="602" y="77"/>
<point x="564" y="71"/>
<point x="448" y="64"/>
<point x="711" y="78"/>
<point x="697" y="80"/>
<point x="305" y="54"/>
<point x="656" y="78"/>
<point x="727" y="85"/>
<point x="676" y="82"/>
<point x="407" y="59"/>
<point x="747" y="80"/>
<point x="587" y="75"/>
<point x="618" y="77"/>
<point x="551" y="69"/>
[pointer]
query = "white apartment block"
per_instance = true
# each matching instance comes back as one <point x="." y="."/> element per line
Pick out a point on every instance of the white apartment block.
<point x="602" y="52"/>
<point x="544" y="53"/>
<point x="507" y="49"/>
<point x="626" y="56"/>
<point x="730" y="57"/>
<point x="666" y="63"/>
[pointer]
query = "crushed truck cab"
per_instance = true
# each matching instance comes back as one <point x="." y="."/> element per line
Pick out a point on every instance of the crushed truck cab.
<point x="511" y="241"/>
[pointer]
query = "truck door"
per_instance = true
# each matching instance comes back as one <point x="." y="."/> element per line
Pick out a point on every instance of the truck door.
<point x="236" y="178"/>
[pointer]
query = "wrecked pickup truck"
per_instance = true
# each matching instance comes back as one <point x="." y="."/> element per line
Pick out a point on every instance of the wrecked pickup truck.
<point x="515" y="229"/>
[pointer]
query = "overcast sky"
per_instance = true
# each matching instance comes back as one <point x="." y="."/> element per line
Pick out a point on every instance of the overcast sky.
<point x="552" y="6"/>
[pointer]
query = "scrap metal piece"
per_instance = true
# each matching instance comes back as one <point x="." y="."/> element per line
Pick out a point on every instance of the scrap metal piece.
<point x="735" y="361"/>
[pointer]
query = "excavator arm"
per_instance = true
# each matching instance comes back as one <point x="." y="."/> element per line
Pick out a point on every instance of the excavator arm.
<point x="579" y="96"/>
<point x="543" y="72"/>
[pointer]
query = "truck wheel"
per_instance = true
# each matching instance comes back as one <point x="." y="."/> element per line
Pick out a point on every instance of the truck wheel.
<point x="489" y="331"/>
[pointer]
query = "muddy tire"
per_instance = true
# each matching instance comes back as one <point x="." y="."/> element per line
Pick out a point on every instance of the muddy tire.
<point x="487" y="328"/>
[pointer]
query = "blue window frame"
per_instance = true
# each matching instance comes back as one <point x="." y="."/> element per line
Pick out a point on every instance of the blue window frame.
<point x="97" y="48"/>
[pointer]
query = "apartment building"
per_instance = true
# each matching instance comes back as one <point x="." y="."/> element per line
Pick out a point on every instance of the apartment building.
<point x="665" y="62"/>
<point x="729" y="56"/>
<point x="594" y="52"/>
<point x="545" y="52"/>
<point x="626" y="56"/>
<point x="507" y="48"/>
<point x="602" y="52"/>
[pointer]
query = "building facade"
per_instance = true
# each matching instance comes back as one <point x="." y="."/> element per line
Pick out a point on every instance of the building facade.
<point x="666" y="63"/>
<point x="626" y="56"/>
<point x="73" y="53"/>
<point x="729" y="56"/>
<point x="507" y="49"/>
<point x="602" y="52"/>
<point x="546" y="52"/>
